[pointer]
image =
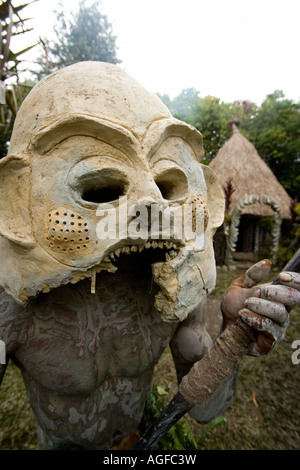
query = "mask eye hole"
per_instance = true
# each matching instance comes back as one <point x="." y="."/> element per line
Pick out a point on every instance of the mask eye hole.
<point x="102" y="195"/>
<point x="173" y="184"/>
<point x="103" y="189"/>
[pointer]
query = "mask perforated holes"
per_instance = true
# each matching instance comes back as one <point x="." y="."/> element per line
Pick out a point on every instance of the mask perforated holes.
<point x="197" y="201"/>
<point x="67" y="231"/>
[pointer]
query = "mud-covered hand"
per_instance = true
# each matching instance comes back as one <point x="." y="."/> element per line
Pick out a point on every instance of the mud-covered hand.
<point x="264" y="307"/>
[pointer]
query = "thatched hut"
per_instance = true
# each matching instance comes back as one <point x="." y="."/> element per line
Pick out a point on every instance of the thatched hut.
<point x="254" y="194"/>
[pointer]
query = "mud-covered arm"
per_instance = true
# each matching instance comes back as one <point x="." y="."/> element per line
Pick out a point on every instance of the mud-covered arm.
<point x="190" y="341"/>
<point x="189" y="344"/>
<point x="12" y="322"/>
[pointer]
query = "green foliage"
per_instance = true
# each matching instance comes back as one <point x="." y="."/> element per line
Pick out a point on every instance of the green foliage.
<point x="17" y="425"/>
<point x="165" y="99"/>
<point x="297" y="209"/>
<point x="183" y="105"/>
<point x="273" y="128"/>
<point x="275" y="132"/>
<point x="290" y="235"/>
<point x="15" y="93"/>
<point x="87" y="35"/>
<point x="180" y="436"/>
<point x="213" y="119"/>
<point x="210" y="116"/>
<point x="11" y="25"/>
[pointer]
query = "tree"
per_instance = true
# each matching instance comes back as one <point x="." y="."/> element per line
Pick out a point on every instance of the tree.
<point x="273" y="128"/>
<point x="11" y="25"/>
<point x="275" y="132"/>
<point x="165" y="99"/>
<point x="182" y="105"/>
<point x="86" y="36"/>
<point x="212" y="118"/>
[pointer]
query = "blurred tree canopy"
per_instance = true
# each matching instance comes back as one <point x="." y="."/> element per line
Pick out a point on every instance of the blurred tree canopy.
<point x="273" y="128"/>
<point x="182" y="105"/>
<point x="86" y="35"/>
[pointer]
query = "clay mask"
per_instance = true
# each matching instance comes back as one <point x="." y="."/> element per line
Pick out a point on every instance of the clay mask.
<point x="89" y="142"/>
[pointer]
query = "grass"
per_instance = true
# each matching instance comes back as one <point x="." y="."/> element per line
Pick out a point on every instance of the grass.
<point x="264" y="416"/>
<point x="17" y="423"/>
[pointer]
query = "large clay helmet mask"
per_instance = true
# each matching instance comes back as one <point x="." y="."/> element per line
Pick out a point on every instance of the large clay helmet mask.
<point x="89" y="135"/>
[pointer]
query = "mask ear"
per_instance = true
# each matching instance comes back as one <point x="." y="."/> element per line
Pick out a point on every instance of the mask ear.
<point x="15" y="223"/>
<point x="215" y="198"/>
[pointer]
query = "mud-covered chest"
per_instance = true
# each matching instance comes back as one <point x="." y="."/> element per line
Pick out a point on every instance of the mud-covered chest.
<point x="75" y="351"/>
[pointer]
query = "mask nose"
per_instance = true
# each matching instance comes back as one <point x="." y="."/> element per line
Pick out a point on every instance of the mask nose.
<point x="150" y="193"/>
<point x="156" y="211"/>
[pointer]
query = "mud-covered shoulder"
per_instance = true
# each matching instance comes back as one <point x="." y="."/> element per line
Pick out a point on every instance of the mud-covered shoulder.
<point x="12" y="321"/>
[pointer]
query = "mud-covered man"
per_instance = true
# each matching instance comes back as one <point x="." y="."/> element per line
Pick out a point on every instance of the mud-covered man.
<point x="87" y="318"/>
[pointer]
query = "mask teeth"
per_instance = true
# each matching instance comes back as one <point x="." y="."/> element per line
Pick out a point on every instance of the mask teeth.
<point x="149" y="244"/>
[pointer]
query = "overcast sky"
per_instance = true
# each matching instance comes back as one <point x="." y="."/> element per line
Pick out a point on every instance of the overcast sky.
<point x="232" y="49"/>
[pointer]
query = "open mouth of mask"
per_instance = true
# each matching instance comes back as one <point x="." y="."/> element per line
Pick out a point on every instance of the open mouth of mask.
<point x="168" y="271"/>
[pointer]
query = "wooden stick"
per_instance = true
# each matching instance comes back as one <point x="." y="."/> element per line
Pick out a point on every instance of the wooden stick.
<point x="206" y="375"/>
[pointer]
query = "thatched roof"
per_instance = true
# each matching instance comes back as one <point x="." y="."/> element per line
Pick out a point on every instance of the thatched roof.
<point x="239" y="160"/>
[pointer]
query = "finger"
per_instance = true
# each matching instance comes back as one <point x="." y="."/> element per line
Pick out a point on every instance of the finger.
<point x="256" y="273"/>
<point x="264" y="324"/>
<point x="276" y="311"/>
<point x="290" y="279"/>
<point x="286" y="295"/>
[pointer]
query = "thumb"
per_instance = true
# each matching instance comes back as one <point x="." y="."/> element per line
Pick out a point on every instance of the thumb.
<point x="255" y="274"/>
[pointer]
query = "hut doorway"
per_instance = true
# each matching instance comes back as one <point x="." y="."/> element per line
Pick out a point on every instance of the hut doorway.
<point x="246" y="238"/>
<point x="253" y="228"/>
<point x="254" y="238"/>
